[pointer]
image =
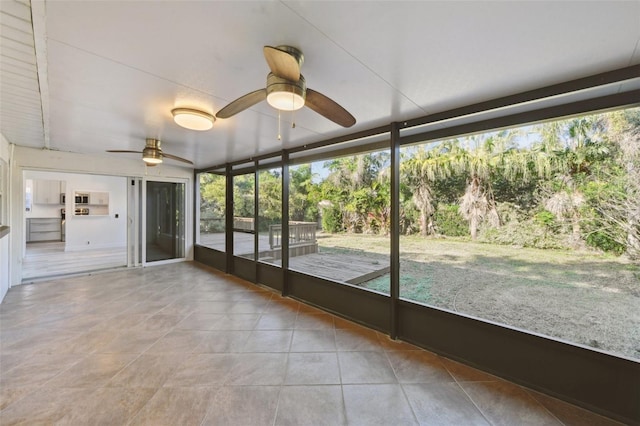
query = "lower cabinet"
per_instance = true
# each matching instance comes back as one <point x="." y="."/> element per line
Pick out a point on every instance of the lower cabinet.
<point x="44" y="229"/>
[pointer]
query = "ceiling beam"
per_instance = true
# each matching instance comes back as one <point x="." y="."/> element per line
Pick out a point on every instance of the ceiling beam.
<point x="38" y="20"/>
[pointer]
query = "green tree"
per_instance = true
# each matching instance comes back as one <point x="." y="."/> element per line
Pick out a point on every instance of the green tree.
<point x="212" y="202"/>
<point x="486" y="157"/>
<point x="270" y="190"/>
<point x="212" y="195"/>
<point x="421" y="169"/>
<point x="496" y="158"/>
<point x="579" y="146"/>
<point x="358" y="189"/>
<point x="244" y="195"/>
<point x="304" y="194"/>
<point x="611" y="217"/>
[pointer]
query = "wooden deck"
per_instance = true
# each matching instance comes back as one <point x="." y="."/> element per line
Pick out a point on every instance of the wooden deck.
<point x="242" y="242"/>
<point x="352" y="269"/>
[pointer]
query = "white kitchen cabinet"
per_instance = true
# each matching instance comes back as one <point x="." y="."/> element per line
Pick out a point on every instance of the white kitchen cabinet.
<point x="46" y="191"/>
<point x="99" y="198"/>
<point x="44" y="229"/>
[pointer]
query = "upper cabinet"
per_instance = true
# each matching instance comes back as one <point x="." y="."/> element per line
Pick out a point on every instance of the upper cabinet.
<point x="46" y="191"/>
<point x="99" y="198"/>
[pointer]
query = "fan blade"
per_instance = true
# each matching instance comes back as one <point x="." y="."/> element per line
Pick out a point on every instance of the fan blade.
<point x="329" y="109"/>
<point x="282" y="63"/>
<point x="242" y="103"/>
<point x="175" y="157"/>
<point x="124" y="151"/>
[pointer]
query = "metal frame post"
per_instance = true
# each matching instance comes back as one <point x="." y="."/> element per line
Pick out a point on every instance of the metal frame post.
<point x="228" y="219"/>
<point x="285" y="223"/>
<point x="395" y="228"/>
<point x="256" y="214"/>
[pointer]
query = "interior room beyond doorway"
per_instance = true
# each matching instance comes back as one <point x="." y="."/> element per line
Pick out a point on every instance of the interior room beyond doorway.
<point x="73" y="223"/>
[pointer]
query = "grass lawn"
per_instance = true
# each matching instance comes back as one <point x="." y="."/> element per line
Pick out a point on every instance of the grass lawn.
<point x="583" y="297"/>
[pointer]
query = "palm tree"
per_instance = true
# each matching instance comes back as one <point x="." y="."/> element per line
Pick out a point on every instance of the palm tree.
<point x="566" y="203"/>
<point x="577" y="144"/>
<point x="613" y="187"/>
<point x="485" y="156"/>
<point x="354" y="186"/>
<point x="488" y="157"/>
<point x="420" y="170"/>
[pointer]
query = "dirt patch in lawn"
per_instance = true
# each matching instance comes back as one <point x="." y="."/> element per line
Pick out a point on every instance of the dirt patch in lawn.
<point x="582" y="297"/>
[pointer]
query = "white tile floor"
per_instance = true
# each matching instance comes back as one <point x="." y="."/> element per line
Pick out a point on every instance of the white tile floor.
<point x="181" y="344"/>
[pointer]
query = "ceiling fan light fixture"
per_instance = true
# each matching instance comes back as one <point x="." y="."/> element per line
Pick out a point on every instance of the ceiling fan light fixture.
<point x="285" y="101"/>
<point x="151" y="156"/>
<point x="193" y="119"/>
<point x="285" y="95"/>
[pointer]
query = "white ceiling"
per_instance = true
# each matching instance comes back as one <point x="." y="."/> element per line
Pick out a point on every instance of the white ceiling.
<point x="109" y="72"/>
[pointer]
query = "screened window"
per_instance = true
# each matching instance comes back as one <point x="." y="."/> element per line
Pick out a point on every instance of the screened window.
<point x="340" y="219"/>
<point x="534" y="227"/>
<point x="211" y="232"/>
<point x="270" y="215"/>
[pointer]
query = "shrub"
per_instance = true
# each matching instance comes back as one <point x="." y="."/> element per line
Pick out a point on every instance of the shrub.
<point x="211" y="225"/>
<point x="449" y="222"/>
<point x="545" y="218"/>
<point x="332" y="220"/>
<point x="604" y="242"/>
<point x="529" y="233"/>
<point x="510" y="212"/>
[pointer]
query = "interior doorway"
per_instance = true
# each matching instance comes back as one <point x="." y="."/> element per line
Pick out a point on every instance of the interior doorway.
<point x="73" y="223"/>
<point x="165" y="221"/>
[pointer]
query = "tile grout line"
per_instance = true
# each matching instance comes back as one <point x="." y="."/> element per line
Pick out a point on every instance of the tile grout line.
<point x="337" y="352"/>
<point x="286" y="368"/>
<point x="456" y="381"/>
<point x="528" y="393"/>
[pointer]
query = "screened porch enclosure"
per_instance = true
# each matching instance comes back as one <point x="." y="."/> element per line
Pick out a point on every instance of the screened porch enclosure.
<point x="438" y="271"/>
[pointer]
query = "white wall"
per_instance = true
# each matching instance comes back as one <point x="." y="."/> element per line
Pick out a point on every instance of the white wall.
<point x="5" y="252"/>
<point x="98" y="231"/>
<point x="28" y="160"/>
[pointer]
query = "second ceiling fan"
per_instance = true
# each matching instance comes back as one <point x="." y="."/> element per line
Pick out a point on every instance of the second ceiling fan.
<point x="287" y="90"/>
<point x="152" y="154"/>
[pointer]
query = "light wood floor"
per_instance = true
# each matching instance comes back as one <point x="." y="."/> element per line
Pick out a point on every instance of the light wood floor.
<point x="49" y="259"/>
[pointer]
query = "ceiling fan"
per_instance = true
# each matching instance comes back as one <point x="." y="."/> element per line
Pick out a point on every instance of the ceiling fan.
<point x="152" y="154"/>
<point x="287" y="90"/>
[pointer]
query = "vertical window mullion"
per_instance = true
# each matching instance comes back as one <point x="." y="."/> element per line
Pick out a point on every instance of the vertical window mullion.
<point x="285" y="223"/>
<point x="395" y="228"/>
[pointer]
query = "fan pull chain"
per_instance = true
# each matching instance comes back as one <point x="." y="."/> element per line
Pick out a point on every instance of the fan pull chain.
<point x="293" y="112"/>
<point x="279" y="120"/>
